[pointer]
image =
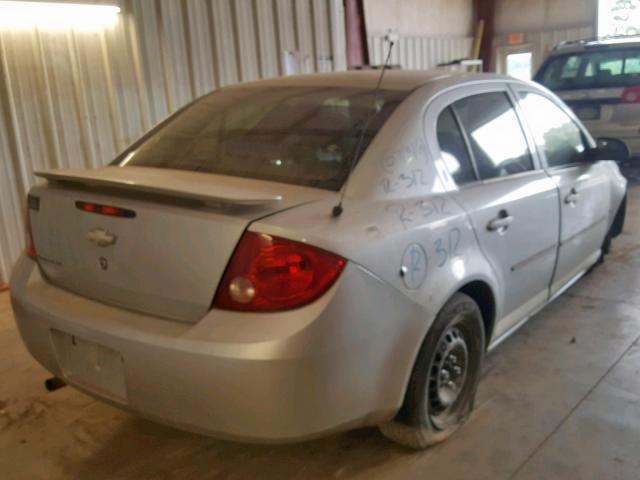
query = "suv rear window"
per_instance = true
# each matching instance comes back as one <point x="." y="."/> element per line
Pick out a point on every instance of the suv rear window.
<point x="299" y="135"/>
<point x="592" y="69"/>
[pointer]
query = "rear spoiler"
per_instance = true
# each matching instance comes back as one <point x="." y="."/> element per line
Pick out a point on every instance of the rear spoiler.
<point x="207" y="189"/>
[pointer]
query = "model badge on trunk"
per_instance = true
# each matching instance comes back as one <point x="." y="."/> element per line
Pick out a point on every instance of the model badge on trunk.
<point x="101" y="237"/>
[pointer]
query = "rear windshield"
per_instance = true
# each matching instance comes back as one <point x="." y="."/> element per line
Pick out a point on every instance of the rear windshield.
<point x="299" y="135"/>
<point x="592" y="69"/>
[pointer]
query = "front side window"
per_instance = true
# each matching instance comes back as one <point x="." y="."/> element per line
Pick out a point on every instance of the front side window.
<point x="454" y="149"/>
<point x="299" y="135"/>
<point x="496" y="138"/>
<point x="556" y="134"/>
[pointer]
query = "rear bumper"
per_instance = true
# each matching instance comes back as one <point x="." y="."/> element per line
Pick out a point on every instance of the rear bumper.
<point x="336" y="364"/>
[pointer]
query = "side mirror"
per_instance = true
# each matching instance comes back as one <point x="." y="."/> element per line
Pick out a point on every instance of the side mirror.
<point x="610" y="149"/>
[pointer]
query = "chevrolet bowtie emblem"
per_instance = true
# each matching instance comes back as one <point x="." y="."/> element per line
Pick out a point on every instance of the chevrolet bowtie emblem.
<point x="101" y="237"/>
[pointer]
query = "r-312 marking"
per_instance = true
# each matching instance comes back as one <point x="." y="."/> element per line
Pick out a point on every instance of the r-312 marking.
<point x="407" y="212"/>
<point x="404" y="180"/>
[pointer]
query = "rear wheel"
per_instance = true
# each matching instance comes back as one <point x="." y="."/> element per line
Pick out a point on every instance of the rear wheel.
<point x="444" y="379"/>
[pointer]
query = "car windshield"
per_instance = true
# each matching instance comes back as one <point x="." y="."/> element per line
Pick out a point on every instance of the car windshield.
<point x="299" y="135"/>
<point x="592" y="69"/>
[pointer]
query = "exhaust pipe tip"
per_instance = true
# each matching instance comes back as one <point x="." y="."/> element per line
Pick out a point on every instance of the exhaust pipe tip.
<point x="54" y="383"/>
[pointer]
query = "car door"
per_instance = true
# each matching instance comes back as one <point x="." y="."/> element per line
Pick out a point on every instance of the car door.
<point x="583" y="189"/>
<point x="511" y="201"/>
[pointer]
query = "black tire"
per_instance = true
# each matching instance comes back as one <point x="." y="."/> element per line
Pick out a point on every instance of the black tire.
<point x="604" y="250"/>
<point x="432" y="409"/>
<point x="614" y="231"/>
<point x="606" y="245"/>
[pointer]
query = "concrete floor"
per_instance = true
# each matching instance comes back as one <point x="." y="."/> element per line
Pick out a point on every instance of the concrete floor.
<point x="559" y="400"/>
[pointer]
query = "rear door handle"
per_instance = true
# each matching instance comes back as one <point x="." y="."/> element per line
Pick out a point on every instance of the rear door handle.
<point x="572" y="198"/>
<point x="501" y="223"/>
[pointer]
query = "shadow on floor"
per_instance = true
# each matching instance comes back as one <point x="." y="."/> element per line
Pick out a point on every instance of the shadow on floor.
<point x="142" y="449"/>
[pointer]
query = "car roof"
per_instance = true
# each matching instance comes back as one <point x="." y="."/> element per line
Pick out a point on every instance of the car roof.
<point x="404" y="80"/>
<point x="583" y="45"/>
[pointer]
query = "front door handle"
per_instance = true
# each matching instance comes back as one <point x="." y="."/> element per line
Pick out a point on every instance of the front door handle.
<point x="501" y="223"/>
<point x="572" y="198"/>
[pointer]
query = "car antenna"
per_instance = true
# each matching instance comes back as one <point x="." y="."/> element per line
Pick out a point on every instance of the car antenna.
<point x="391" y="38"/>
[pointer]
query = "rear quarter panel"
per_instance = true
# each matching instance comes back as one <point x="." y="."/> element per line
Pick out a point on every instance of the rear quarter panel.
<point x="398" y="223"/>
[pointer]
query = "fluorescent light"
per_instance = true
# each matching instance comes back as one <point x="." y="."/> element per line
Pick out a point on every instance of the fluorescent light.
<point x="56" y="15"/>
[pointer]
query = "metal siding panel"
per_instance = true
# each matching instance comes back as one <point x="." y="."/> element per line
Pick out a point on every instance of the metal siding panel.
<point x="420" y="52"/>
<point x="587" y="32"/>
<point x="424" y="53"/>
<point x="100" y="111"/>
<point x="127" y="96"/>
<point x="197" y="29"/>
<point x="67" y="129"/>
<point x="175" y="58"/>
<point x="83" y="103"/>
<point x="322" y="30"/>
<point x="28" y="99"/>
<point x="13" y="171"/>
<point x="246" y="40"/>
<point x="375" y="54"/>
<point x="403" y="52"/>
<point x="223" y="28"/>
<point x="338" y="40"/>
<point x="305" y="39"/>
<point x="146" y="23"/>
<point x="267" y="37"/>
<point x="396" y="56"/>
<point x="46" y="100"/>
<point x="287" y="25"/>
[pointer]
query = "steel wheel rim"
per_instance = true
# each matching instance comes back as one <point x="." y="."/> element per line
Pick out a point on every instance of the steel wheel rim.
<point x="448" y="374"/>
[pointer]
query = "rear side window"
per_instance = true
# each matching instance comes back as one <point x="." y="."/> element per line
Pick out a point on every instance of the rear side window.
<point x="556" y="134"/>
<point x="299" y="135"/>
<point x="496" y="138"/>
<point x="592" y="69"/>
<point x="454" y="149"/>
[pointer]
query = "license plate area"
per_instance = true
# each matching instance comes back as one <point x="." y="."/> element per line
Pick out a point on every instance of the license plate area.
<point x="90" y="365"/>
<point x="588" y="113"/>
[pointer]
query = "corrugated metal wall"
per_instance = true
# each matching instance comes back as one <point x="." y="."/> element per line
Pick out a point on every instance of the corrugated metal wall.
<point x="74" y="99"/>
<point x="420" y="52"/>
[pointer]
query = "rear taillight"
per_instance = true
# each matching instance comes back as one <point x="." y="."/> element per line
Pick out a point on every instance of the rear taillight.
<point x="268" y="274"/>
<point x="108" y="210"/>
<point x="631" y="95"/>
<point x="30" y="249"/>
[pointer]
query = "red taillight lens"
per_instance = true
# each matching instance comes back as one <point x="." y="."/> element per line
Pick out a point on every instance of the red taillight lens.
<point x="631" y="95"/>
<point x="268" y="274"/>
<point x="30" y="249"/>
<point x="105" y="210"/>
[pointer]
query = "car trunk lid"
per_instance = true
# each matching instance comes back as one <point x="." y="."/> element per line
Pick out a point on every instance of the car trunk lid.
<point x="167" y="255"/>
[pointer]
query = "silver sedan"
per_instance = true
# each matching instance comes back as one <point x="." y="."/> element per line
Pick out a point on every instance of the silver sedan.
<point x="293" y="257"/>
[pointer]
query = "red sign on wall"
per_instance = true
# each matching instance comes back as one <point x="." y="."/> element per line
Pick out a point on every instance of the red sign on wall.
<point x="515" y="38"/>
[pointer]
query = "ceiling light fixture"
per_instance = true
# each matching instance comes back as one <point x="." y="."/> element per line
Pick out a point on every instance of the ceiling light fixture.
<point x="46" y="15"/>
